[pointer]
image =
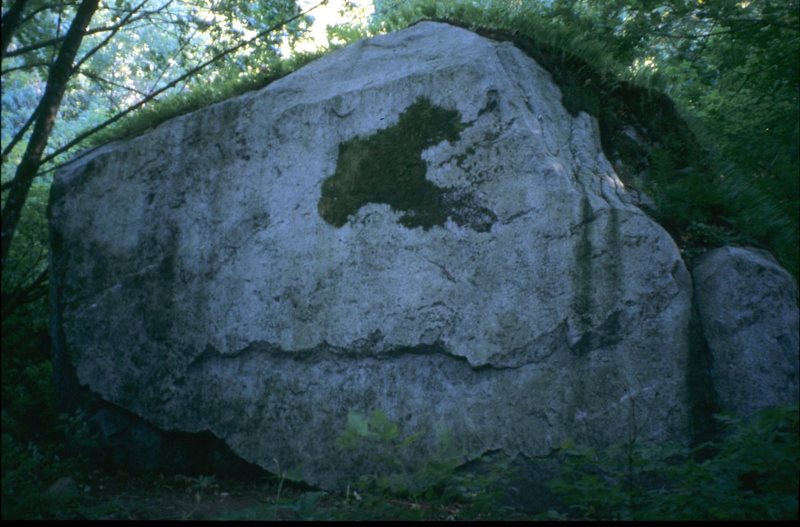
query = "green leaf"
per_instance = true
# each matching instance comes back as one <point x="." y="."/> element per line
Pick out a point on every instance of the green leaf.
<point x="358" y="424"/>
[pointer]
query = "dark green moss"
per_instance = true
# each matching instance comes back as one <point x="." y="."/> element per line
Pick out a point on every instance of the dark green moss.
<point x="614" y="270"/>
<point x="583" y="260"/>
<point x="387" y="167"/>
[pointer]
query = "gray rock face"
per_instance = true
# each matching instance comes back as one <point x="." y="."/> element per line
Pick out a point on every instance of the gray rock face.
<point x="62" y="490"/>
<point x="750" y="317"/>
<point x="412" y="224"/>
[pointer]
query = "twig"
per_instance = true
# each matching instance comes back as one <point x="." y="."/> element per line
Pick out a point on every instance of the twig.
<point x="81" y="137"/>
<point x="17" y="137"/>
<point x="280" y="487"/>
<point x="113" y="32"/>
<point x="58" y="40"/>
<point x="98" y="78"/>
<point x="25" y="67"/>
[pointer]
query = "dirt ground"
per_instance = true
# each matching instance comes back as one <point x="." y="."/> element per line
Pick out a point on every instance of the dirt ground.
<point x="122" y="496"/>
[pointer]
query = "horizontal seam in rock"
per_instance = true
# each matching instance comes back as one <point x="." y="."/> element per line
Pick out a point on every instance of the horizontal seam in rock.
<point x="325" y="352"/>
<point x="517" y="215"/>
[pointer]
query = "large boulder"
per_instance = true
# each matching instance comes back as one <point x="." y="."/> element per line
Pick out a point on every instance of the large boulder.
<point x="751" y="321"/>
<point x="413" y="224"/>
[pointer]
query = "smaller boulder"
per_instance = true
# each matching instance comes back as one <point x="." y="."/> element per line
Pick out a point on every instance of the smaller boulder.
<point x="62" y="491"/>
<point x="748" y="307"/>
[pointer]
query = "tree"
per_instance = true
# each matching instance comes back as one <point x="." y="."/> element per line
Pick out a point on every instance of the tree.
<point x="733" y="68"/>
<point x="45" y="116"/>
<point x="94" y="76"/>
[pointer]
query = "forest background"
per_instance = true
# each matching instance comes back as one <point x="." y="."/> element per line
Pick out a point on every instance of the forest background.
<point x="79" y="73"/>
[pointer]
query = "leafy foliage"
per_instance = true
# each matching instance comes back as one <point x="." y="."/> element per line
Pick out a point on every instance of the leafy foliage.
<point x="753" y="474"/>
<point x="28" y="468"/>
<point x="438" y="480"/>
<point x="164" y="39"/>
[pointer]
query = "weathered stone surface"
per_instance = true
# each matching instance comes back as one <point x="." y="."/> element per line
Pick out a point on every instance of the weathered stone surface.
<point x="261" y="267"/>
<point x="749" y="312"/>
<point x="62" y="490"/>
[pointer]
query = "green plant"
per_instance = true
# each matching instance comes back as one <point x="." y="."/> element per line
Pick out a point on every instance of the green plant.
<point x="432" y="485"/>
<point x="281" y="479"/>
<point x="753" y="473"/>
<point x="377" y="436"/>
<point x="29" y="467"/>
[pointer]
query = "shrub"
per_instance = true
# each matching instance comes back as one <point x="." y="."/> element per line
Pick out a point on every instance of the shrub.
<point x="439" y="482"/>
<point x="752" y="473"/>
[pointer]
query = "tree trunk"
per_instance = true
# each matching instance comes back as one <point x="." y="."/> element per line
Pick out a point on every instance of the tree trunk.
<point x="10" y="23"/>
<point x="47" y="110"/>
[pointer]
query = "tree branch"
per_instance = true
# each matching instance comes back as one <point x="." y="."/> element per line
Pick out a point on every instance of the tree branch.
<point x="81" y="137"/>
<point x="779" y="61"/>
<point x="46" y="110"/>
<point x="174" y="55"/>
<point x="57" y="40"/>
<point x="59" y="5"/>
<point x="10" y="24"/>
<point x="25" y="294"/>
<point x="744" y="25"/>
<point x="25" y="67"/>
<point x="108" y="93"/>
<point x="16" y="139"/>
<point x="98" y="78"/>
<point x="122" y="23"/>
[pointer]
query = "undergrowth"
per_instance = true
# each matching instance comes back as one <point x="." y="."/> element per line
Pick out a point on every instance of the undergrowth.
<point x="393" y="470"/>
<point x="751" y="473"/>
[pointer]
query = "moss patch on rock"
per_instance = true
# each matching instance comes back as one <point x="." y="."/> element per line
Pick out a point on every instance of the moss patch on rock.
<point x="387" y="167"/>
